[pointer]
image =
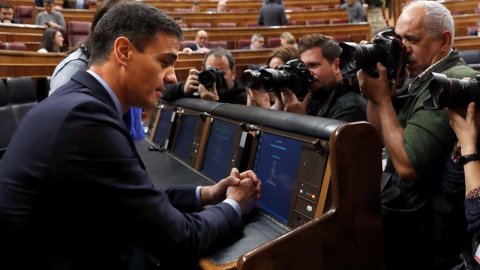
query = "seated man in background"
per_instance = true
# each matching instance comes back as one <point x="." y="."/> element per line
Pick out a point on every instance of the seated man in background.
<point x="77" y="195"/>
<point x="355" y="10"/>
<point x="50" y="17"/>
<point x="330" y="95"/>
<point x="195" y="8"/>
<point x="232" y="91"/>
<point x="222" y="6"/>
<point x="200" y="43"/>
<point x="6" y="13"/>
<point x="257" y="42"/>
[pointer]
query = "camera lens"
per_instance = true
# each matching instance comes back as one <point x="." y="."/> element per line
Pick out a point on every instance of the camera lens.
<point x="273" y="79"/>
<point x="451" y="92"/>
<point x="355" y="57"/>
<point x="207" y="78"/>
<point x="252" y="79"/>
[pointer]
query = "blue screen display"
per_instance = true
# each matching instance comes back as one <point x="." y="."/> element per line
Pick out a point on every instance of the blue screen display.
<point x="276" y="164"/>
<point x="219" y="147"/>
<point x="186" y="131"/>
<point x="164" y="127"/>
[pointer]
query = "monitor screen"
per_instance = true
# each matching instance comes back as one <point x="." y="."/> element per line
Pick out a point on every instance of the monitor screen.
<point x="276" y="164"/>
<point x="164" y="128"/>
<point x="185" y="135"/>
<point x="221" y="143"/>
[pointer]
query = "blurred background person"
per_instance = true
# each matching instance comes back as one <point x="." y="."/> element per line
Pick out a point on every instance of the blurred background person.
<point x="355" y="11"/>
<point x="50" y="17"/>
<point x="222" y="6"/>
<point x="52" y="41"/>
<point x="257" y="42"/>
<point x="272" y="14"/>
<point x="287" y="38"/>
<point x="195" y="8"/>
<point x="200" y="43"/>
<point x="6" y="13"/>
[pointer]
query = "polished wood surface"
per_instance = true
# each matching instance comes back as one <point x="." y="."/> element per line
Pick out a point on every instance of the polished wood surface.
<point x="464" y="6"/>
<point x="30" y="64"/>
<point x="467" y="43"/>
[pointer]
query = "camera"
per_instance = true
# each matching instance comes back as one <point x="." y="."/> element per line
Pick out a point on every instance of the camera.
<point x="293" y="75"/>
<point x="212" y="75"/>
<point x="452" y="93"/>
<point x="386" y="48"/>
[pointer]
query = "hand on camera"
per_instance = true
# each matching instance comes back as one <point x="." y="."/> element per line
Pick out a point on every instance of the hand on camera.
<point x="191" y="84"/>
<point x="291" y="102"/>
<point x="377" y="90"/>
<point x="208" y="95"/>
<point x="466" y="128"/>
<point x="257" y="98"/>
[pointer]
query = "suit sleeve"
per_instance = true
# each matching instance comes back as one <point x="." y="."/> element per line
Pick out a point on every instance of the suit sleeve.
<point x="98" y="159"/>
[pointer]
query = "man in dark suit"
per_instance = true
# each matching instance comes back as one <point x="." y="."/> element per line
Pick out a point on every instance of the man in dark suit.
<point x="74" y="194"/>
<point x="200" y="43"/>
<point x="272" y="14"/>
<point x="257" y="42"/>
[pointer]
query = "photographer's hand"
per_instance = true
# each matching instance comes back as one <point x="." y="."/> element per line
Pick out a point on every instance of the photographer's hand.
<point x="208" y="95"/>
<point x="466" y="129"/>
<point x="257" y="98"/>
<point x="292" y="104"/>
<point x="376" y="90"/>
<point x="191" y="84"/>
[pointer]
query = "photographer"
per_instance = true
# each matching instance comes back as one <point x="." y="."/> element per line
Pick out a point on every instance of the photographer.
<point x="331" y="96"/>
<point x="231" y="91"/>
<point x="417" y="140"/>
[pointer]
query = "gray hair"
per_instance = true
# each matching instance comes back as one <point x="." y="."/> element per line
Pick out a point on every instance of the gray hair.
<point x="437" y="17"/>
<point x="255" y="37"/>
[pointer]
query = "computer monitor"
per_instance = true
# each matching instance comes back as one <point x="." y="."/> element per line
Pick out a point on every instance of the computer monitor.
<point x="226" y="148"/>
<point x="164" y="126"/>
<point x="188" y="135"/>
<point x="292" y="172"/>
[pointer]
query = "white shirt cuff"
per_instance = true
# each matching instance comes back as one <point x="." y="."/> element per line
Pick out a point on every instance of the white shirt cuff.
<point x="235" y="206"/>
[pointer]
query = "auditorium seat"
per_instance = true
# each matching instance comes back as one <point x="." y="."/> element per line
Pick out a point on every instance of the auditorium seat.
<point x="9" y="125"/>
<point x="216" y="44"/>
<point x="314" y="22"/>
<point x="77" y="32"/>
<point x="338" y="20"/>
<point x="243" y="43"/>
<point x="319" y="7"/>
<point x="291" y="22"/>
<point x="342" y="38"/>
<point x="17" y="46"/>
<point x="22" y="96"/>
<point x="273" y="42"/>
<point x="471" y="57"/>
<point x="201" y="25"/>
<point x="24" y="14"/>
<point x="227" y="24"/>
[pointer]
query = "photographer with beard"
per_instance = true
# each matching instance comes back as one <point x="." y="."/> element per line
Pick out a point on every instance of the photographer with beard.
<point x="417" y="140"/>
<point x="331" y="96"/>
<point x="232" y="92"/>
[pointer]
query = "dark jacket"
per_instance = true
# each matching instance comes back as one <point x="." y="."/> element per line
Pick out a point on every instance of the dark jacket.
<point x="77" y="196"/>
<point x="272" y="14"/>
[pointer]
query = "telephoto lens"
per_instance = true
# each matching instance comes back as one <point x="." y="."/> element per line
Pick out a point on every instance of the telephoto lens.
<point x="451" y="92"/>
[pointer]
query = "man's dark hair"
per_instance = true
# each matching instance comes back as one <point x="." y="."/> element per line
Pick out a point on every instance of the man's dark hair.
<point x="219" y="52"/>
<point x="138" y="22"/>
<point x="6" y="5"/>
<point x="328" y="45"/>
<point x="48" y="2"/>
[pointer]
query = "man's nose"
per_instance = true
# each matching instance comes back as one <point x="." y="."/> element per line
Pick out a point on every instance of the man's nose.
<point x="170" y="77"/>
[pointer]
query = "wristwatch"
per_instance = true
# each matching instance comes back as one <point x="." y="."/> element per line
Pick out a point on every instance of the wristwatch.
<point x="467" y="158"/>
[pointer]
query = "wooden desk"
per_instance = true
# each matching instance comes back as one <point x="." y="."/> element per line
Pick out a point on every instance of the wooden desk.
<point x="467" y="43"/>
<point x="465" y="6"/>
<point x="463" y="21"/>
<point x="357" y="31"/>
<point x="28" y="64"/>
<point x="205" y="5"/>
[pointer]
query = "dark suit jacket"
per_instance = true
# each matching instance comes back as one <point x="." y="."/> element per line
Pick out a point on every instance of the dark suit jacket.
<point x="74" y="193"/>
<point x="73" y="3"/>
<point x="272" y="14"/>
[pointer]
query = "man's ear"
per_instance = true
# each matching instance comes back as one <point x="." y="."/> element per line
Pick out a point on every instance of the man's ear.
<point x="446" y="37"/>
<point x="336" y="64"/>
<point x="122" y="50"/>
<point x="234" y="72"/>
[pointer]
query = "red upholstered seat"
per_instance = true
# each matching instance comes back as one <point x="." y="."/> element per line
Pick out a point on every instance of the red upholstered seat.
<point x="201" y="25"/>
<point x="273" y="42"/>
<point x="338" y="20"/>
<point x="313" y="22"/>
<point x="77" y="32"/>
<point x="227" y="24"/>
<point x="24" y="14"/>
<point x="243" y="43"/>
<point x="17" y="46"/>
<point x="216" y="44"/>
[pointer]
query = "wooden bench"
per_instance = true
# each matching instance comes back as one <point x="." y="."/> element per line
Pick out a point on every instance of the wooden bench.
<point x="28" y="64"/>
<point x="464" y="6"/>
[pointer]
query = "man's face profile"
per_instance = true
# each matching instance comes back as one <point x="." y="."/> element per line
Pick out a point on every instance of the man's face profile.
<point x="323" y="72"/>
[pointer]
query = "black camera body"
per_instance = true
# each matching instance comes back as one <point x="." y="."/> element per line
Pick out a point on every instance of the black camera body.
<point x="294" y="75"/>
<point x="451" y="92"/>
<point x="212" y="75"/>
<point x="386" y="48"/>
